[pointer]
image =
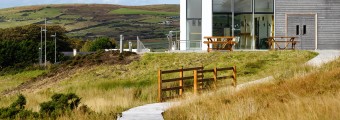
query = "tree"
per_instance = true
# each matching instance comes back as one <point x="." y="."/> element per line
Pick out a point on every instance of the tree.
<point x="98" y="44"/>
<point x="19" y="46"/>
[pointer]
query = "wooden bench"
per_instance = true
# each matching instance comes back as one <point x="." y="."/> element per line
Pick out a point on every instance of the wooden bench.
<point x="289" y="40"/>
<point x="219" y="42"/>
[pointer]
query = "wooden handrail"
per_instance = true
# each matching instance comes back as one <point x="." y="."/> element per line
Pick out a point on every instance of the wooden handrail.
<point x="198" y="79"/>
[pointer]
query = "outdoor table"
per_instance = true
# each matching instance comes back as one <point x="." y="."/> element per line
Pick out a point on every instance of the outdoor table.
<point x="279" y="39"/>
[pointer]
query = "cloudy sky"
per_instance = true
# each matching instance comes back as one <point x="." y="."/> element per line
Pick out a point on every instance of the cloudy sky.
<point x="13" y="3"/>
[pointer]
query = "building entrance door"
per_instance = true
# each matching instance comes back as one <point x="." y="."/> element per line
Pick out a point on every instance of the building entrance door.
<point x="303" y="27"/>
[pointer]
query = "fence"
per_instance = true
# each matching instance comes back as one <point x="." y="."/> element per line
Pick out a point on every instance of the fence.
<point x="197" y="77"/>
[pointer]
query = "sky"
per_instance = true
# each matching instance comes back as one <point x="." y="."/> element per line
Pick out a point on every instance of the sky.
<point x="14" y="3"/>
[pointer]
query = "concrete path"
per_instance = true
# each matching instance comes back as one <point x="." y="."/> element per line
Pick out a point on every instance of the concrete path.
<point x="324" y="56"/>
<point x="146" y="112"/>
<point x="154" y="111"/>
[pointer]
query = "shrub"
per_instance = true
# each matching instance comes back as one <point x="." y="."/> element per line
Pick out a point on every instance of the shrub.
<point x="60" y="104"/>
<point x="17" y="110"/>
<point x="98" y="44"/>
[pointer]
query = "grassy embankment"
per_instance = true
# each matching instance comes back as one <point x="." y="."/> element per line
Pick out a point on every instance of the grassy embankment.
<point x="113" y="89"/>
<point x="299" y="94"/>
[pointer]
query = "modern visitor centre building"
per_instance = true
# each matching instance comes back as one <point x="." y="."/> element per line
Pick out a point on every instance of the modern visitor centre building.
<point x="314" y="23"/>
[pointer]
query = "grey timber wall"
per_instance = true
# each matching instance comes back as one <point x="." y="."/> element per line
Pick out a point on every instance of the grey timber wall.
<point x="328" y="12"/>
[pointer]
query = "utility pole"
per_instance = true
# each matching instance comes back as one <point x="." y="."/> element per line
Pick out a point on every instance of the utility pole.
<point x="40" y="48"/>
<point x="45" y="42"/>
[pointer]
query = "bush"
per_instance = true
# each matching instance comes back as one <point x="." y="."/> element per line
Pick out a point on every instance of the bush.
<point x="59" y="105"/>
<point x="17" y="110"/>
<point x="98" y="44"/>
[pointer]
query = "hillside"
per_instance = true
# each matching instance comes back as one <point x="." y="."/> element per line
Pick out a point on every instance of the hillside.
<point x="94" y="20"/>
<point x="110" y="87"/>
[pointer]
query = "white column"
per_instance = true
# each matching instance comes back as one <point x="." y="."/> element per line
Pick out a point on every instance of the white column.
<point x="183" y="24"/>
<point x="121" y="43"/>
<point x="207" y="16"/>
<point x="253" y="27"/>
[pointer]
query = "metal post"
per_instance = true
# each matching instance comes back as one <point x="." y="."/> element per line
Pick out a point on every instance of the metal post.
<point x="121" y="43"/>
<point x="253" y="26"/>
<point x="130" y="46"/>
<point x="41" y="46"/>
<point x="45" y="42"/>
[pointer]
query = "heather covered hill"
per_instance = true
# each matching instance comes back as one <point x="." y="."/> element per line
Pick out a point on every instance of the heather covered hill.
<point x="95" y="20"/>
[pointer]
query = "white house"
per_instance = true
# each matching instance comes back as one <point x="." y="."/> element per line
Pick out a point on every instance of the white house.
<point x="316" y="23"/>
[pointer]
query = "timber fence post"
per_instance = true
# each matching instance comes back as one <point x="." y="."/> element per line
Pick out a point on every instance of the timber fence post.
<point x="215" y="77"/>
<point x="234" y="76"/>
<point x="181" y="81"/>
<point x="160" y="85"/>
<point x="195" y="82"/>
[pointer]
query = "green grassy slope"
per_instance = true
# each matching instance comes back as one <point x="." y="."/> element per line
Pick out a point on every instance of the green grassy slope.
<point x="93" y="20"/>
<point x="128" y="11"/>
<point x="114" y="88"/>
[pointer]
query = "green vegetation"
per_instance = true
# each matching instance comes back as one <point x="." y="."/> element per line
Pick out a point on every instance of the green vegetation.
<point x="140" y="12"/>
<point x="10" y="81"/>
<point x="19" y="46"/>
<point x="33" y="14"/>
<point x="60" y="105"/>
<point x="301" y="92"/>
<point x="90" y="21"/>
<point x="17" y="110"/>
<point x="99" y="44"/>
<point x="121" y="84"/>
<point x="14" y="23"/>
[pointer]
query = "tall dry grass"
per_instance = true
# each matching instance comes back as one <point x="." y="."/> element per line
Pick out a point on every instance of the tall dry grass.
<point x="307" y="94"/>
<point x="109" y="90"/>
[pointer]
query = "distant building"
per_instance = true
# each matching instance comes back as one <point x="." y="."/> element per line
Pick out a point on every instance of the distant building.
<point x="315" y="22"/>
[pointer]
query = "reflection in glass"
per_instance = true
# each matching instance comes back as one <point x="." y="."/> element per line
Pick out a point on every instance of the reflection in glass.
<point x="243" y="6"/>
<point x="194" y="29"/>
<point x="222" y="24"/>
<point x="221" y="6"/>
<point x="264" y="6"/>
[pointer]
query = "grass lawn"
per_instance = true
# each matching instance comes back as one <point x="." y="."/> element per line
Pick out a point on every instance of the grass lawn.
<point x="141" y="12"/>
<point x="113" y="89"/>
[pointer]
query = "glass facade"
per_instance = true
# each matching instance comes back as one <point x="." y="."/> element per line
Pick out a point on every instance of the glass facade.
<point x="194" y="23"/>
<point x="250" y="21"/>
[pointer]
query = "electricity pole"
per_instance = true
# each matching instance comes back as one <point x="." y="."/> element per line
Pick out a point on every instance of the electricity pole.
<point x="40" y="48"/>
<point x="45" y="42"/>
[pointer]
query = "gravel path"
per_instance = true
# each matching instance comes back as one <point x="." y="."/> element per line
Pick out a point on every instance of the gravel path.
<point x="154" y="111"/>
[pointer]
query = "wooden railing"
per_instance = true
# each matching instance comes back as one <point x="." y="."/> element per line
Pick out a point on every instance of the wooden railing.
<point x="197" y="77"/>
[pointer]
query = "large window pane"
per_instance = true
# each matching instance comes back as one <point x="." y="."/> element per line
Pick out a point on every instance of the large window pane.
<point x="194" y="8"/>
<point x="243" y="6"/>
<point x="194" y="21"/>
<point x="264" y="5"/>
<point x="221" y="5"/>
<point x="222" y="24"/>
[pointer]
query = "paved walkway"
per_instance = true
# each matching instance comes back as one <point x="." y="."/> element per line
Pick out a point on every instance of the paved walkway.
<point x="154" y="111"/>
<point x="324" y="56"/>
<point x="146" y="112"/>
